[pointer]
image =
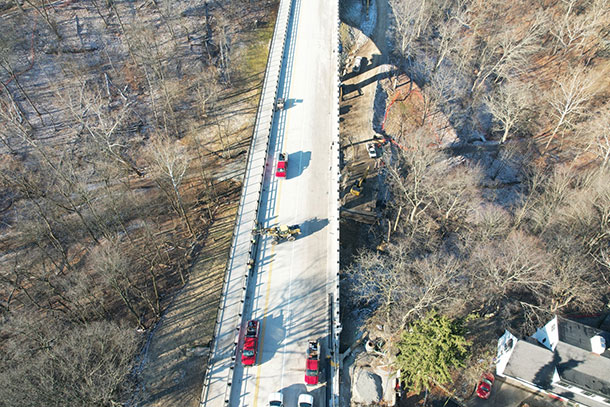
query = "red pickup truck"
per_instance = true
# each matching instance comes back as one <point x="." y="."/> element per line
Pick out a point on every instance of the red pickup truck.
<point x="312" y="365"/>
<point x="248" y="353"/>
<point x="282" y="165"/>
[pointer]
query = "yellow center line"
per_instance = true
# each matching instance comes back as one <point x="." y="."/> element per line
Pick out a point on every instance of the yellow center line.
<point x="262" y="341"/>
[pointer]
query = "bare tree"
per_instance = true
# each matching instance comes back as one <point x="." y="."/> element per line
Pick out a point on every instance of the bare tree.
<point x="225" y="46"/>
<point x="507" y="54"/>
<point x="439" y="92"/>
<point x="402" y="29"/>
<point x="449" y="31"/>
<point x="457" y="194"/>
<point x="586" y="214"/>
<point x="42" y="8"/>
<point x="548" y="192"/>
<point x="603" y="260"/>
<point x="165" y="11"/>
<point x="577" y="235"/>
<point x="411" y="18"/>
<point x="430" y="187"/>
<point x="572" y="285"/>
<point x="579" y="22"/>
<point x="7" y="65"/>
<point x="407" y="176"/>
<point x="595" y="134"/>
<point x="69" y="365"/>
<point x="569" y="213"/>
<point x="489" y="223"/>
<point x="171" y="162"/>
<point x="509" y="105"/>
<point x="378" y="283"/>
<point x="104" y="123"/>
<point x="100" y="12"/>
<point x="435" y="282"/>
<point x="401" y="287"/>
<point x="12" y="278"/>
<point x="511" y="269"/>
<point x="16" y="126"/>
<point x="568" y="99"/>
<point x="207" y="92"/>
<point x="114" y="268"/>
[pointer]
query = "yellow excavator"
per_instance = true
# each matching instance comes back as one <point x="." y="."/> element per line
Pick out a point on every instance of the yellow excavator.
<point x="357" y="187"/>
<point x="279" y="233"/>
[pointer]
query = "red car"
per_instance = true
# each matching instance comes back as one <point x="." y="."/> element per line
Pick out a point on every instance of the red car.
<point x="312" y="365"/>
<point x="484" y="386"/>
<point x="248" y="354"/>
<point x="282" y="165"/>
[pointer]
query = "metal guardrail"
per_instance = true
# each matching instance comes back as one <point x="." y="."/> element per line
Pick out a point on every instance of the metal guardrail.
<point x="334" y="250"/>
<point x="242" y="245"/>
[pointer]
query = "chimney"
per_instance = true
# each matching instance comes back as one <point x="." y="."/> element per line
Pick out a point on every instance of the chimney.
<point x="598" y="344"/>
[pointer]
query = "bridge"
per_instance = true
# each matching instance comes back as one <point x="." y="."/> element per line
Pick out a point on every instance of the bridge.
<point x="293" y="287"/>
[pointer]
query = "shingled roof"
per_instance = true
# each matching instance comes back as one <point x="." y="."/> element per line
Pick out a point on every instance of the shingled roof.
<point x="576" y="363"/>
<point x="532" y="363"/>
<point x="559" y="358"/>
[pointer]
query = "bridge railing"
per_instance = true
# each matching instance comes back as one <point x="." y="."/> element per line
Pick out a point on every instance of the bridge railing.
<point x="221" y="362"/>
<point x="334" y="250"/>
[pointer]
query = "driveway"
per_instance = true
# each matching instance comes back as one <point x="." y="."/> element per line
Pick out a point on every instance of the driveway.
<point x="505" y="394"/>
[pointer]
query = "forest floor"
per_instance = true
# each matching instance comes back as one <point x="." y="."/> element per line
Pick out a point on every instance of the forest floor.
<point x="173" y="365"/>
<point x="357" y="122"/>
<point x="173" y="362"/>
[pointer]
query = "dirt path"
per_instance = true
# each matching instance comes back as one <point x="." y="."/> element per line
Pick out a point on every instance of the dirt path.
<point x="360" y="88"/>
<point x="360" y="109"/>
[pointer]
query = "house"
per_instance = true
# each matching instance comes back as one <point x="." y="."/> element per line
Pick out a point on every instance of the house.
<point x="564" y="359"/>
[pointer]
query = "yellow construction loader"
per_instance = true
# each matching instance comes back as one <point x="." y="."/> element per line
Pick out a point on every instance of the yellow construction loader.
<point x="357" y="187"/>
<point x="279" y="233"/>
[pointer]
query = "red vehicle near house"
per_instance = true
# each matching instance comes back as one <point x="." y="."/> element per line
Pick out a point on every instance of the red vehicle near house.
<point x="248" y="353"/>
<point x="312" y="365"/>
<point x="484" y="386"/>
<point x="282" y="165"/>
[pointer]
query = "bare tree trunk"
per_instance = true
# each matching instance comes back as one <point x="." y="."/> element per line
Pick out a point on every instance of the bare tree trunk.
<point x="42" y="10"/>
<point x="9" y="69"/>
<point x="16" y="106"/>
<point x="99" y="12"/>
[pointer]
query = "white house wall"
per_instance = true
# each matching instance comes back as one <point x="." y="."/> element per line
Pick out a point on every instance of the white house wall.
<point x="548" y="335"/>
<point x="506" y="344"/>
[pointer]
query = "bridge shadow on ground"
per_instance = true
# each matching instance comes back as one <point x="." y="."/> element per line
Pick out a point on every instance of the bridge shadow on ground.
<point x="311" y="226"/>
<point x="318" y="393"/>
<point x="302" y="158"/>
<point x="273" y="336"/>
<point x="355" y="15"/>
<point x="351" y="91"/>
<point x="290" y="103"/>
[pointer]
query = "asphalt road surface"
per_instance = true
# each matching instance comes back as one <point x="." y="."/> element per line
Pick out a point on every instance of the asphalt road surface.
<point x="289" y="293"/>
